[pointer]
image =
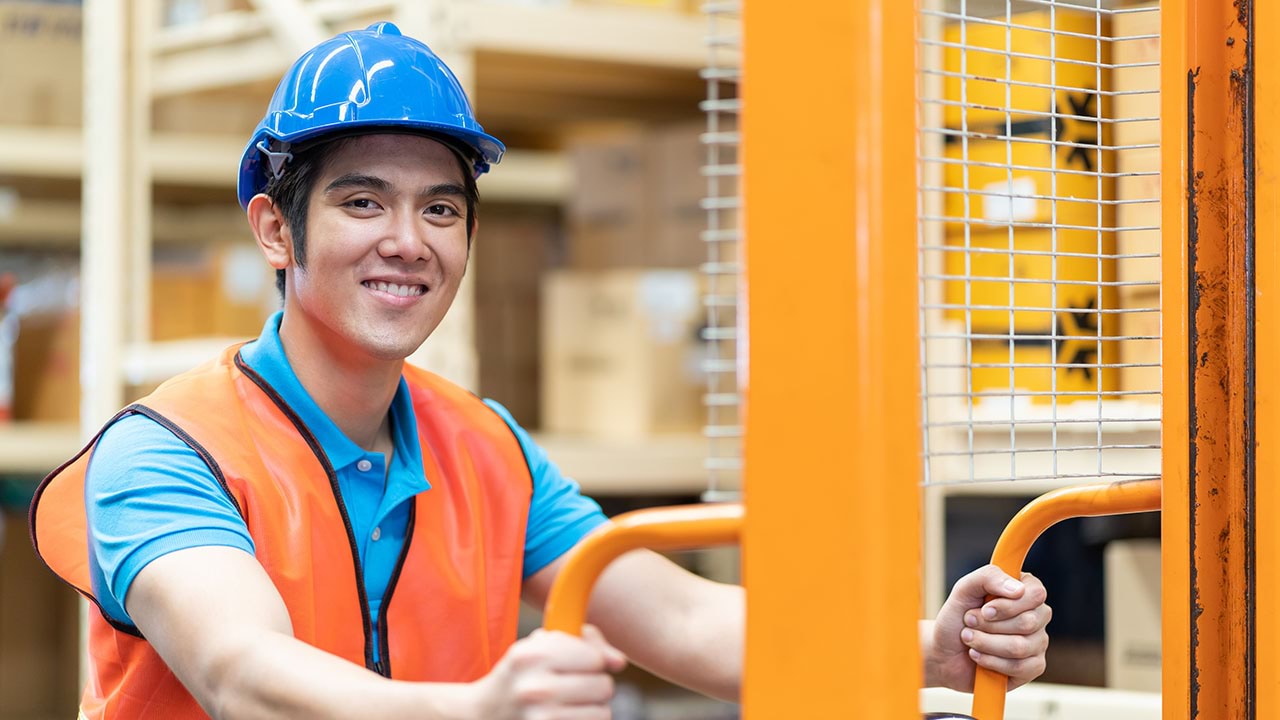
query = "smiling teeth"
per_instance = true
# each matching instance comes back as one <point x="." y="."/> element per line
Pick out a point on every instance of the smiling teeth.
<point x="393" y="289"/>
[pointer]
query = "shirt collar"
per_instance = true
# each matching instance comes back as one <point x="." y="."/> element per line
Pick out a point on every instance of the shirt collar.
<point x="266" y="356"/>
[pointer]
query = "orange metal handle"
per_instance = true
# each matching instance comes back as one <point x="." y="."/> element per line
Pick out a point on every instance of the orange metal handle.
<point x="1120" y="498"/>
<point x="671" y="528"/>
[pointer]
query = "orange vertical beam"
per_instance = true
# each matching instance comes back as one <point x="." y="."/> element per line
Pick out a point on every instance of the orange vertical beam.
<point x="832" y="450"/>
<point x="1266" y="64"/>
<point x="1175" y="504"/>
<point x="1218" y="277"/>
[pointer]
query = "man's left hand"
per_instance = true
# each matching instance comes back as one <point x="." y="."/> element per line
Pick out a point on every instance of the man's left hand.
<point x="1005" y="634"/>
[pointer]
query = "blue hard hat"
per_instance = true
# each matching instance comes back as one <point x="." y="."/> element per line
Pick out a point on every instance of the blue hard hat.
<point x="361" y="81"/>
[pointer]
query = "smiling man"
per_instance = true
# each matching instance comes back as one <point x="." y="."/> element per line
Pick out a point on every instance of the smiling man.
<point x="309" y="527"/>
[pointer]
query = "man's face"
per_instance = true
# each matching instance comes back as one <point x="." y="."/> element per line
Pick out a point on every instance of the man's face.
<point x="386" y="245"/>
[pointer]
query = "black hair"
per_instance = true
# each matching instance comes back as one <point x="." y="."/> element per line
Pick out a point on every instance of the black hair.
<point x="291" y="192"/>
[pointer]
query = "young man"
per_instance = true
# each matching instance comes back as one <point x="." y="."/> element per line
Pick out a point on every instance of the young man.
<point x="309" y="527"/>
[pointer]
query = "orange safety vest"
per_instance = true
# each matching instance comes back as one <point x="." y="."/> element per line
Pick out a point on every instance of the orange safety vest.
<point x="450" y="609"/>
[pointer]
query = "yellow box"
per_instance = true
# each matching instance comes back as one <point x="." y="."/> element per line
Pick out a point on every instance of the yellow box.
<point x="999" y="84"/>
<point x="1024" y="281"/>
<point x="1040" y="364"/>
<point x="993" y="183"/>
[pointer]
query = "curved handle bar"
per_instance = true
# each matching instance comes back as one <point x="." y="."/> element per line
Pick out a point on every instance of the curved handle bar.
<point x="671" y="528"/>
<point x="1119" y="498"/>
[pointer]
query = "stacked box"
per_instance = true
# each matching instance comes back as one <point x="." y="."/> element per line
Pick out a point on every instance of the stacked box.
<point x="1135" y="48"/>
<point x="1138" y="214"/>
<point x="621" y="353"/>
<point x="1138" y="221"/>
<point x="40" y="51"/>
<point x="1132" y="583"/>
<point x="1028" y="235"/>
<point x="216" y="290"/>
<point x="512" y="250"/>
<point x="636" y="199"/>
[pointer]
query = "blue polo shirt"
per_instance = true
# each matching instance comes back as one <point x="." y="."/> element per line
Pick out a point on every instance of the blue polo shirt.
<point x="148" y="493"/>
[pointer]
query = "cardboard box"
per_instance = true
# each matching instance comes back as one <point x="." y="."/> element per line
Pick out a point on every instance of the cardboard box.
<point x="1141" y="320"/>
<point x="680" y="187"/>
<point x="1142" y="209"/>
<point x="46" y="367"/>
<point x="40" y="51"/>
<point x="1136" y="42"/>
<point x="511" y="253"/>
<point x="213" y="290"/>
<point x="1133" y="614"/>
<point x="621" y="353"/>
<point x="636" y="198"/>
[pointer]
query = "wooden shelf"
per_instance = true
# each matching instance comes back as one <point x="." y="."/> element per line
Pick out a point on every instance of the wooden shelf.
<point x="238" y="48"/>
<point x="658" y="466"/>
<point x="667" y="465"/>
<point x="36" y="448"/>
<point x="210" y="161"/>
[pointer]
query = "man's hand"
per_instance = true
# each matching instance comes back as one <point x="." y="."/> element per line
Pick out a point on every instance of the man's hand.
<point x="552" y="675"/>
<point x="1005" y="634"/>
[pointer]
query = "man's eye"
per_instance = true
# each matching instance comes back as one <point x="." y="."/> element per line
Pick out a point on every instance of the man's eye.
<point x="362" y="204"/>
<point x="441" y="209"/>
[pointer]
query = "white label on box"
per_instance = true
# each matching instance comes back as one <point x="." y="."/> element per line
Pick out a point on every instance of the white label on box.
<point x="1009" y="200"/>
<point x="669" y="298"/>
<point x="243" y="280"/>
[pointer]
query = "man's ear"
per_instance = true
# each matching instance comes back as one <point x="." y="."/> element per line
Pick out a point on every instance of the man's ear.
<point x="269" y="229"/>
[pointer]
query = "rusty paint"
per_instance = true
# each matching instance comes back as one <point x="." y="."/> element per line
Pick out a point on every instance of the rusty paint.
<point x="1193" y="297"/>
<point x="1219" y="294"/>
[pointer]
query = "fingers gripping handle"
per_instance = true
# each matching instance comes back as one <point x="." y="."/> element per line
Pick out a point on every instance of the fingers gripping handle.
<point x="672" y="528"/>
<point x="1120" y="498"/>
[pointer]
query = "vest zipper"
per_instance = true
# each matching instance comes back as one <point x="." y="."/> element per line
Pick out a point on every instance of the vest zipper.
<point x="384" y="634"/>
<point x="310" y="439"/>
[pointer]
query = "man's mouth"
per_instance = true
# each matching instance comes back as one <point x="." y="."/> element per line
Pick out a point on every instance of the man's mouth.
<point x="394" y="289"/>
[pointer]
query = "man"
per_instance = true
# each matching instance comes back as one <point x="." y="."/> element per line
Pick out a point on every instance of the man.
<point x="308" y="527"/>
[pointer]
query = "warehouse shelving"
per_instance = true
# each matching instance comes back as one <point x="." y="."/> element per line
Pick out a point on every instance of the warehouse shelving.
<point x="36" y="448"/>
<point x="534" y="71"/>
<point x="663" y="465"/>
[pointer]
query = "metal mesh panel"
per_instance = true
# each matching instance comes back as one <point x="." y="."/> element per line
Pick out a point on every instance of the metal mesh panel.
<point x="1039" y="241"/>
<point x="722" y="237"/>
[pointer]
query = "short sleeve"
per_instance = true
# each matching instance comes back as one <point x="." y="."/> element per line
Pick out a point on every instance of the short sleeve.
<point x="559" y="514"/>
<point x="147" y="494"/>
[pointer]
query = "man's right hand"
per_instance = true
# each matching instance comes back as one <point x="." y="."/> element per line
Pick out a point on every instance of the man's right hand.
<point x="552" y="676"/>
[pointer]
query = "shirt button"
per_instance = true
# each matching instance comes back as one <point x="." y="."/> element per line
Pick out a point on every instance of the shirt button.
<point x="377" y="534"/>
<point x="364" y="466"/>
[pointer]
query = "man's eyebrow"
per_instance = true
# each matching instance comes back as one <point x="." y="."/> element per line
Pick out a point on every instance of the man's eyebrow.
<point x="358" y="180"/>
<point x="444" y="189"/>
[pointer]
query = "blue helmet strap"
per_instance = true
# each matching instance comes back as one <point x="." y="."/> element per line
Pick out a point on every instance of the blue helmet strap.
<point x="276" y="159"/>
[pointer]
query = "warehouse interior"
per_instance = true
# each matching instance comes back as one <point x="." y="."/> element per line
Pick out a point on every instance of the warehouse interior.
<point x="601" y="304"/>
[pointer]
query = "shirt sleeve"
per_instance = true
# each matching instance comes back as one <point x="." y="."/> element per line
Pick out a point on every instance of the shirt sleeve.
<point x="559" y="514"/>
<point x="147" y="494"/>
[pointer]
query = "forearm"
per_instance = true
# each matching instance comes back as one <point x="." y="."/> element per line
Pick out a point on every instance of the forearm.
<point x="684" y="628"/>
<point x="704" y="648"/>
<point x="280" y="676"/>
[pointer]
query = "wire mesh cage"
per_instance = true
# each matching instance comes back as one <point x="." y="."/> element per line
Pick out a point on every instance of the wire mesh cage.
<point x="723" y="240"/>
<point x="1039" y="241"/>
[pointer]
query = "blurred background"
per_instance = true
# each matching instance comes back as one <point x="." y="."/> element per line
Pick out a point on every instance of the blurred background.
<point x="121" y="126"/>
<point x="600" y="305"/>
